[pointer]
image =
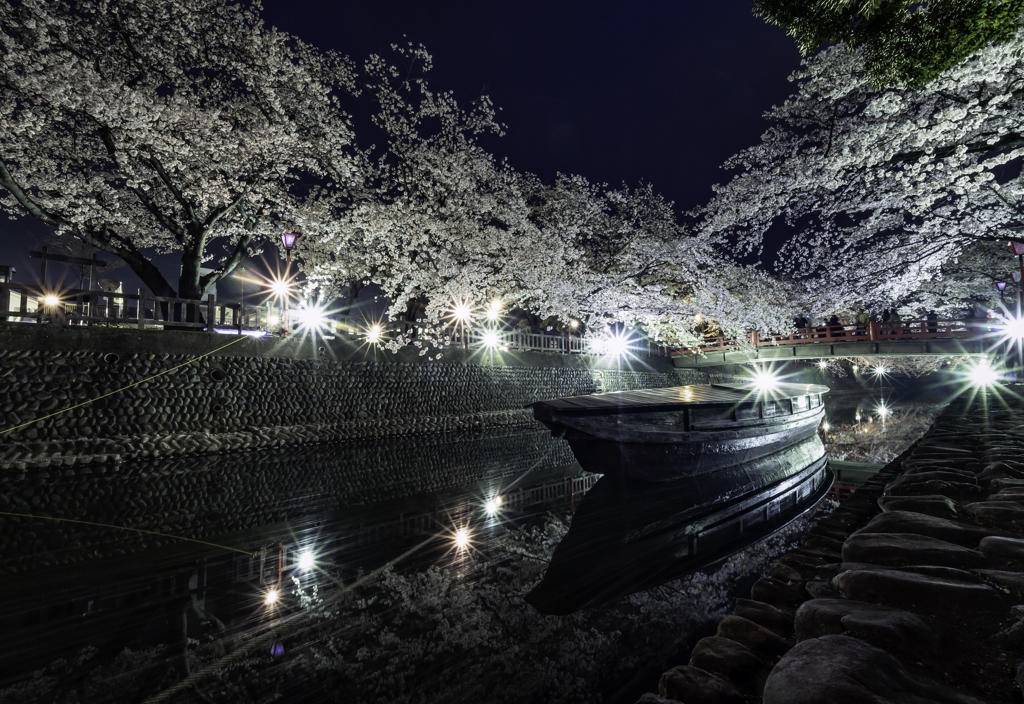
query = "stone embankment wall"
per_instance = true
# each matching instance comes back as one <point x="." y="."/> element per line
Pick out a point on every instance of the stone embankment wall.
<point x="911" y="591"/>
<point x="141" y="402"/>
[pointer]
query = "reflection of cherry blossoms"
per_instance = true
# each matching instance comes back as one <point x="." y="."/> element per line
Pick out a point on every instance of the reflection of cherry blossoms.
<point x="433" y="635"/>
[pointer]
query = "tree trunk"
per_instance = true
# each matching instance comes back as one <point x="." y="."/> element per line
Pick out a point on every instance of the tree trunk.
<point x="354" y="287"/>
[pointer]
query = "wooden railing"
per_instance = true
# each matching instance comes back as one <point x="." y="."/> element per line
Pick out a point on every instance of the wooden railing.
<point x="854" y="332"/>
<point x="28" y="303"/>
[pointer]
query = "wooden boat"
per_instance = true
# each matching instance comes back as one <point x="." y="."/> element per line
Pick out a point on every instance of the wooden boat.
<point x="661" y="435"/>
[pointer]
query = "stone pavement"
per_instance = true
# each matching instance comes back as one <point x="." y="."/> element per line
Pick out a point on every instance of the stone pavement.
<point x="912" y="591"/>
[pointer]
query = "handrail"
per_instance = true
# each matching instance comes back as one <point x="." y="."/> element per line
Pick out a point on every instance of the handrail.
<point x="141" y="310"/>
<point x="873" y="331"/>
<point x="83" y="306"/>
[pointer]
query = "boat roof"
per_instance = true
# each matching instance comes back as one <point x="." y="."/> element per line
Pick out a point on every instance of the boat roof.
<point x="690" y="395"/>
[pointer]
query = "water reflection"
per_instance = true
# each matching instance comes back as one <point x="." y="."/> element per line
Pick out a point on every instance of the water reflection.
<point x="630" y="536"/>
<point x="149" y="608"/>
<point x="126" y="554"/>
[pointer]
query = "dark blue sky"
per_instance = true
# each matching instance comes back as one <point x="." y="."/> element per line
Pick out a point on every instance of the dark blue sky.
<point x="661" y="92"/>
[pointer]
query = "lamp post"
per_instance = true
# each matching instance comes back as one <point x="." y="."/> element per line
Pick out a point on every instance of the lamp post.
<point x="1018" y="277"/>
<point x="1001" y="285"/>
<point x="572" y="326"/>
<point x="288" y="240"/>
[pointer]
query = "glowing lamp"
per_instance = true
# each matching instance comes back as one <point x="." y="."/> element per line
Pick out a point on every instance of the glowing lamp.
<point x="51" y="300"/>
<point x="1001" y="285"/>
<point x="982" y="374"/>
<point x="765" y="381"/>
<point x="492" y="505"/>
<point x="280" y="287"/>
<point x="461" y="312"/>
<point x="461" y="538"/>
<point x="373" y="336"/>
<point x="825" y="426"/>
<point x="822" y="364"/>
<point x="271" y="597"/>
<point x="491" y="339"/>
<point x="880" y="370"/>
<point x="273" y="320"/>
<point x="573" y="324"/>
<point x="1013" y="328"/>
<point x="288" y="240"/>
<point x="1016" y="277"/>
<point x="1017" y="247"/>
<point x="616" y="346"/>
<point x="277" y="649"/>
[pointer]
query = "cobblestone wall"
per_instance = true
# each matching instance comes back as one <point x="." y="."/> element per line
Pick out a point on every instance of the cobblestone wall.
<point x="144" y="404"/>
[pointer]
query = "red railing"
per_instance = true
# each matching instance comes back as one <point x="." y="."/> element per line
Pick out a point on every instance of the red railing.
<point x="868" y="332"/>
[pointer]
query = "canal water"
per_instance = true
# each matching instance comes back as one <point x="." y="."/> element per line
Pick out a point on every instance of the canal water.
<point x="368" y="571"/>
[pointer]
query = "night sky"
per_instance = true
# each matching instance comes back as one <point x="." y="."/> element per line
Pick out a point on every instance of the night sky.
<point x="618" y="92"/>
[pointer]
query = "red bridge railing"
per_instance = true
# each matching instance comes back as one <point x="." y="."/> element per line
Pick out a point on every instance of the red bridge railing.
<point x="854" y="332"/>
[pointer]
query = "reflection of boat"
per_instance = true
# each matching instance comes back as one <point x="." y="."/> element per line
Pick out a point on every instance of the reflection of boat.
<point x="665" y="434"/>
<point x="630" y="536"/>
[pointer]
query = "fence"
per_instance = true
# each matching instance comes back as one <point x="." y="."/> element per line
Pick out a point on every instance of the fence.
<point x="33" y="304"/>
<point x="868" y="332"/>
<point x="30" y="303"/>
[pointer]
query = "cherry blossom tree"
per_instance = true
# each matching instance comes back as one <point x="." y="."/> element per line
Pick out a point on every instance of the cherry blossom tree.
<point x="886" y="189"/>
<point x="905" y="42"/>
<point x="151" y="125"/>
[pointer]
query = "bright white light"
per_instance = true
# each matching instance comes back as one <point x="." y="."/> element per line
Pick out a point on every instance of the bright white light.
<point x="491" y="339"/>
<point x="306" y="561"/>
<point x="882" y="410"/>
<point x="462" y="312"/>
<point x="573" y="324"/>
<point x="880" y="371"/>
<point x="271" y="597"/>
<point x="311" y="317"/>
<point x="494" y="311"/>
<point x="825" y="426"/>
<point x="373" y="335"/>
<point x="616" y="346"/>
<point x="765" y="381"/>
<point x="822" y="364"/>
<point x="461" y="538"/>
<point x="982" y="374"/>
<point x="280" y="287"/>
<point x="855" y="367"/>
<point x="51" y="300"/>
<point x="858" y="417"/>
<point x="273" y="320"/>
<point x="1013" y="328"/>
<point x="492" y="505"/>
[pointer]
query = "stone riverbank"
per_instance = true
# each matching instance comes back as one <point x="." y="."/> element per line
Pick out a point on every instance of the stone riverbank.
<point x="147" y="394"/>
<point x="913" y="590"/>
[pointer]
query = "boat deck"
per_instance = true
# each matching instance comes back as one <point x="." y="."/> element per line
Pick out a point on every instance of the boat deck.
<point x="691" y="395"/>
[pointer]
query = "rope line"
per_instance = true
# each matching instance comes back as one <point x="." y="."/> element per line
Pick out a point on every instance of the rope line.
<point x="137" y="530"/>
<point x="123" y="388"/>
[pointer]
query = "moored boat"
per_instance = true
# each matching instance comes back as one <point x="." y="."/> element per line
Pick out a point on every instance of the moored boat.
<point x="666" y="434"/>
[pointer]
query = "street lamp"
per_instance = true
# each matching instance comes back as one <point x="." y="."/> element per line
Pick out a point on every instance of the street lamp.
<point x="288" y="240"/>
<point x="1001" y="285"/>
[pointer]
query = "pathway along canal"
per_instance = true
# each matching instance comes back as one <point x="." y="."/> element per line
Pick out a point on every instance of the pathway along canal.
<point x="133" y="579"/>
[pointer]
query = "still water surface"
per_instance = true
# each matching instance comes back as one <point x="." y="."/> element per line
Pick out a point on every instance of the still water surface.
<point x="397" y="576"/>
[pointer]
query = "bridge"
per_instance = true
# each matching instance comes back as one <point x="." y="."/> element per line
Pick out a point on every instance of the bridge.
<point x="908" y="338"/>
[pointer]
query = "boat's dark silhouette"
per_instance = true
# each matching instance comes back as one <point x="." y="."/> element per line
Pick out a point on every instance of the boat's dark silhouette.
<point x="628" y="536"/>
<point x="660" y="435"/>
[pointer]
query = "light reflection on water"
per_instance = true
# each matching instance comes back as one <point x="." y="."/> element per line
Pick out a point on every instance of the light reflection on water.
<point x="355" y="507"/>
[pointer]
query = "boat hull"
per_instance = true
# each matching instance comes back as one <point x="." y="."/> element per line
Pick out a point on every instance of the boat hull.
<point x="683" y="454"/>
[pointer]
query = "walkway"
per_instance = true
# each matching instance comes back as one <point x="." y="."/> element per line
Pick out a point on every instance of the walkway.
<point x="905" y="338"/>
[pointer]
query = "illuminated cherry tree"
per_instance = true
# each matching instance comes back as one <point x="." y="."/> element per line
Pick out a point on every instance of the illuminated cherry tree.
<point x="151" y="125"/>
<point x="888" y="190"/>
